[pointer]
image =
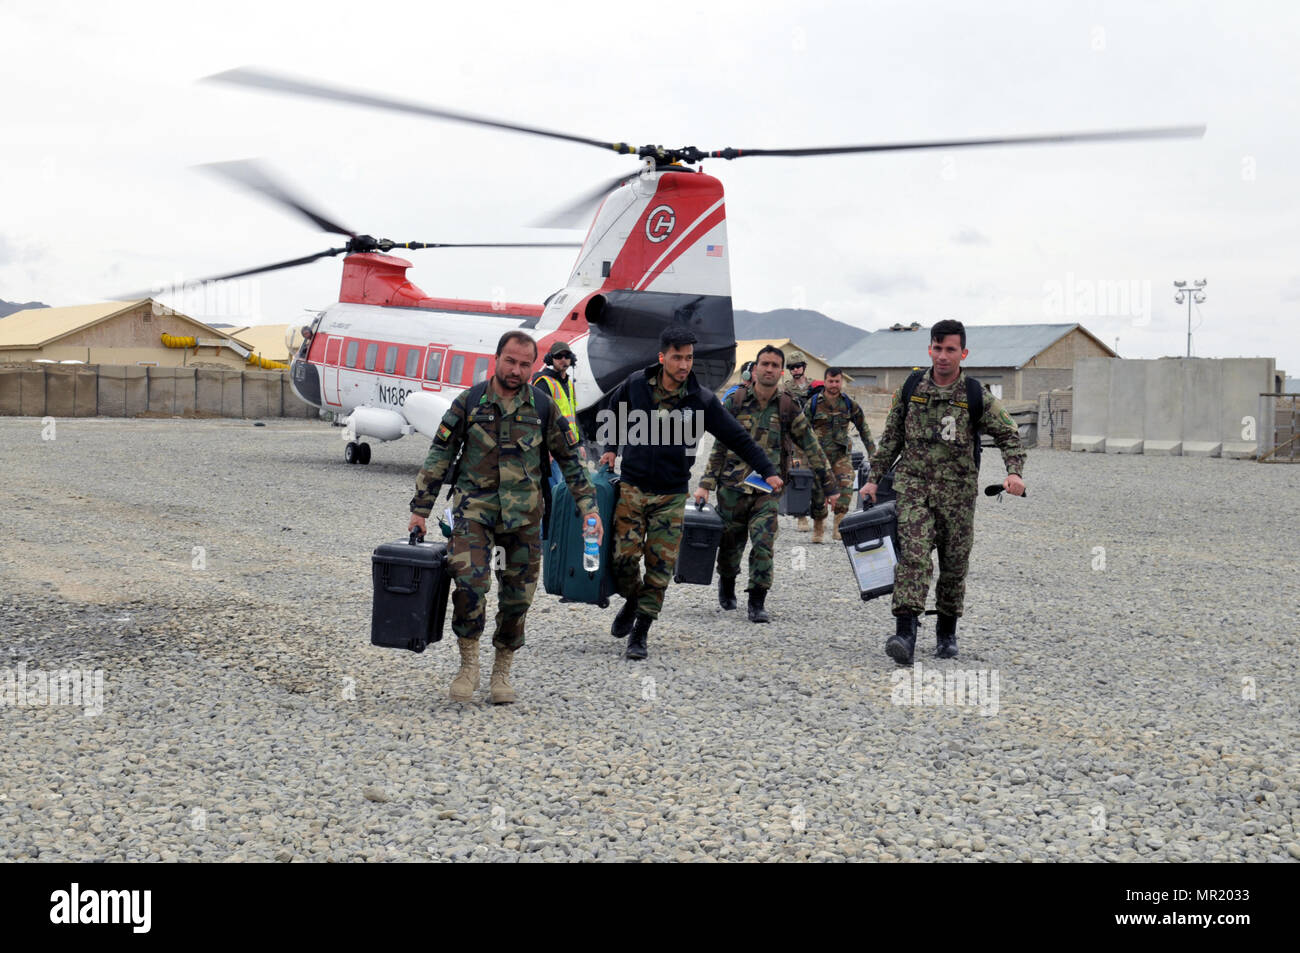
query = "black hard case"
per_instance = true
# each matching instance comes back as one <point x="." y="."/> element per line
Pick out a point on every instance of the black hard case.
<point x="865" y="530"/>
<point x="411" y="587"/>
<point x="701" y="534"/>
<point x="796" y="498"/>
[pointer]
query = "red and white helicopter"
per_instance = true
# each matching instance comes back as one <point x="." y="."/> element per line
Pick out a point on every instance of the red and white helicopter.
<point x="389" y="359"/>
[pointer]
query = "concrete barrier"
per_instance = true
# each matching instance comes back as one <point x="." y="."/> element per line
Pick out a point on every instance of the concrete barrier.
<point x="32" y="395"/>
<point x="136" y="388"/>
<point x="11" y="391"/>
<point x="112" y="391"/>
<point x="262" y="393"/>
<point x="1163" y="404"/>
<point x="162" y="389"/>
<point x="1244" y="379"/>
<point x="60" y="391"/>
<point x="232" y="394"/>
<point x="183" y="402"/>
<point x="87" y="383"/>
<point x="1125" y="413"/>
<point x="1091" y="404"/>
<point x="208" y="385"/>
<point x="1202" y="397"/>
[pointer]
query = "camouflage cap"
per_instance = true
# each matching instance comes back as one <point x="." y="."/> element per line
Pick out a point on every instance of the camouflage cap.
<point x="796" y="357"/>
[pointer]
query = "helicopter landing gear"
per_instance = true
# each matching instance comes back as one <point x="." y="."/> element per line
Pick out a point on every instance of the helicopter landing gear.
<point x="363" y="453"/>
<point x="356" y="452"/>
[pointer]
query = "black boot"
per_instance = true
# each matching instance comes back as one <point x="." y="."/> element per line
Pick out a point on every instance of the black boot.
<point x="756" y="611"/>
<point x="947" y="633"/>
<point x="903" y="641"/>
<point x="623" y="621"/>
<point x="727" y="592"/>
<point x="636" y="644"/>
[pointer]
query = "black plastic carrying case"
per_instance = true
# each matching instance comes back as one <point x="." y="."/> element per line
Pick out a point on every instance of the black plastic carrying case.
<point x="411" y="587"/>
<point x="701" y="535"/>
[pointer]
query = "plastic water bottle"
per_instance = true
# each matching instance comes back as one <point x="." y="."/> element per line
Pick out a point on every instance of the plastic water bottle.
<point x="590" y="546"/>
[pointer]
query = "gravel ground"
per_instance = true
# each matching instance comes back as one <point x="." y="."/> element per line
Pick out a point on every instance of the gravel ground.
<point x="1146" y="705"/>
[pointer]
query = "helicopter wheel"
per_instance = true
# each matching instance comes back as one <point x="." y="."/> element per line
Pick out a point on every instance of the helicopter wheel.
<point x="363" y="453"/>
<point x="351" y="452"/>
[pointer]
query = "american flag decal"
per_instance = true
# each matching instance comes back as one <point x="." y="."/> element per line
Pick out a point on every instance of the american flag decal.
<point x="714" y="251"/>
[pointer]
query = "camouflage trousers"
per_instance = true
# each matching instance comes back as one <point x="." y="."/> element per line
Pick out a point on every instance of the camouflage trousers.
<point x="842" y="467"/>
<point x="933" y="514"/>
<point x="646" y="525"/>
<point x="474" y="552"/>
<point x="753" y="515"/>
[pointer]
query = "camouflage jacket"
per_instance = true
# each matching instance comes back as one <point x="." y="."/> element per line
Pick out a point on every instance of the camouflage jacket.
<point x="764" y="425"/>
<point x="831" y="418"/>
<point x="500" y="478"/>
<point x="798" y="391"/>
<point x="934" y="437"/>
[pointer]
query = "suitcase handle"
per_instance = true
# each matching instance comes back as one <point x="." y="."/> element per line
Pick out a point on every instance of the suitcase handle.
<point x="868" y="547"/>
<point x="404" y="590"/>
<point x="416" y="537"/>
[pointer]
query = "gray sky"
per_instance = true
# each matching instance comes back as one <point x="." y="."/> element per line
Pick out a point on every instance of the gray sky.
<point x="101" y="120"/>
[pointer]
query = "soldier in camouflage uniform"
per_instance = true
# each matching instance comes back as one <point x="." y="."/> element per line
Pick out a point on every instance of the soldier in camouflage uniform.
<point x="798" y="387"/>
<point x="772" y="419"/>
<point x="655" y="474"/>
<point x="831" y="412"/>
<point x="937" y="482"/>
<point x="498" y="504"/>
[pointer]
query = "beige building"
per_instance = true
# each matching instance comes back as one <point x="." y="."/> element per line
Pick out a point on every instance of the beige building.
<point x="143" y="333"/>
<point x="748" y="350"/>
<point x="1017" y="361"/>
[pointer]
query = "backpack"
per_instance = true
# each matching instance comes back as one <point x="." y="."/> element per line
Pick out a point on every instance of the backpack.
<point x="472" y="397"/>
<point x="974" y="401"/>
<point x="817" y="392"/>
<point x="787" y="407"/>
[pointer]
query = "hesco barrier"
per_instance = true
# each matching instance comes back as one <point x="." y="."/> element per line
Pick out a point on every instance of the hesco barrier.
<point x="93" y="390"/>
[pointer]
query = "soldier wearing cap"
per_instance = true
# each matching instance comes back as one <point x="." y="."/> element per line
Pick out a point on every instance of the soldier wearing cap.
<point x="557" y="381"/>
<point x="798" y="387"/>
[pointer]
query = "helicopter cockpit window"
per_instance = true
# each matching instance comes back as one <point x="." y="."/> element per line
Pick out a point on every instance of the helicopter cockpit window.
<point x="480" y="369"/>
<point x="412" y="362"/>
<point x="457" y="365"/>
<point x="433" y="365"/>
<point x="351" y="359"/>
<point x="372" y="352"/>
<point x="390" y="359"/>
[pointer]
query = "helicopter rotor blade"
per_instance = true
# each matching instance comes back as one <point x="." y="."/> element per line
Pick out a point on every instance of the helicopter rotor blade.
<point x="254" y="176"/>
<point x="416" y="246"/>
<point x="1109" y="135"/>
<point x="292" y="263"/>
<point x="259" y="79"/>
<point x="578" y="212"/>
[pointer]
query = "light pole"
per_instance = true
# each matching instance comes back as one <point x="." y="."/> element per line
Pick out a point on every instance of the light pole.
<point x="1194" y="293"/>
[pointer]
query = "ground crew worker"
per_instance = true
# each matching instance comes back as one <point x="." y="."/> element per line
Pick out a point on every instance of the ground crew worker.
<point x="931" y="435"/>
<point x="771" y="419"/>
<point x="798" y="387"/>
<point x="831" y="411"/>
<point x="499" y="428"/>
<point x="657" y="417"/>
<point x="558" y="382"/>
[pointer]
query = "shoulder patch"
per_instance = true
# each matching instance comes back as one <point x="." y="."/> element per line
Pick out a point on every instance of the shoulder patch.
<point x="442" y="436"/>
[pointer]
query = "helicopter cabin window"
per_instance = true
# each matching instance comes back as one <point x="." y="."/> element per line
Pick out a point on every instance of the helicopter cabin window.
<point x="412" y="362"/>
<point x="372" y="352"/>
<point x="390" y="359"/>
<point x="480" y="369"/>
<point x="457" y="366"/>
<point x="433" y="365"/>
<point x="351" y="359"/>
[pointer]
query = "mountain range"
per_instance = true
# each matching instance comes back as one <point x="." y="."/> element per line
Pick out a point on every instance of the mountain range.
<point x="813" y="330"/>
<point x="11" y="307"/>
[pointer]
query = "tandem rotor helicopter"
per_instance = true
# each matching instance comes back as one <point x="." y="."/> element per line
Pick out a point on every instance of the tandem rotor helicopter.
<point x="388" y="359"/>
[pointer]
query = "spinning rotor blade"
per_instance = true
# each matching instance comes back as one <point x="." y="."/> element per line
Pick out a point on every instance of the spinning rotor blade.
<point x="255" y="177"/>
<point x="1112" y="135"/>
<point x="578" y="212"/>
<point x="385" y="245"/>
<point x="257" y="79"/>
<point x="293" y="263"/>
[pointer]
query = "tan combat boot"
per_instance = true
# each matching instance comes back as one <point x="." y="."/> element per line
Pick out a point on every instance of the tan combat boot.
<point x="801" y="524"/>
<point x="465" y="684"/>
<point x="819" y="527"/>
<point x="502" y="692"/>
<point x="839" y="518"/>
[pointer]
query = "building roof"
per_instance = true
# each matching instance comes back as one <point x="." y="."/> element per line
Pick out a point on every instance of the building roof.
<point x="990" y="345"/>
<point x="37" y="327"/>
<point x="264" y="339"/>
